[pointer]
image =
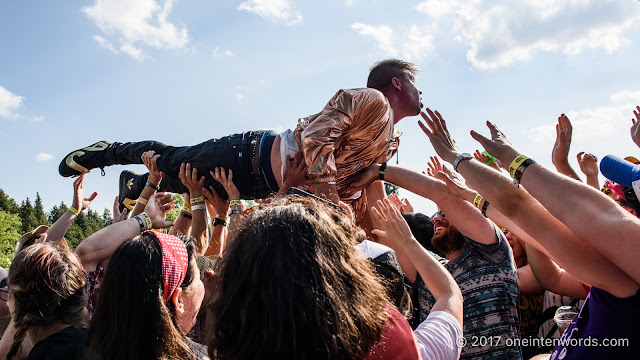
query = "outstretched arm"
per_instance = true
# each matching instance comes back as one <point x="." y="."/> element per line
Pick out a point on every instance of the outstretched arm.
<point x="56" y="232"/>
<point x="560" y="153"/>
<point x="552" y="277"/>
<point x="189" y="178"/>
<point x="149" y="159"/>
<point x="573" y="254"/>
<point x="392" y="229"/>
<point x="103" y="243"/>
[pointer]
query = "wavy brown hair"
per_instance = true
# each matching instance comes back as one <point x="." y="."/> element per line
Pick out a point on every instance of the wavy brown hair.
<point x="293" y="286"/>
<point x="48" y="286"/>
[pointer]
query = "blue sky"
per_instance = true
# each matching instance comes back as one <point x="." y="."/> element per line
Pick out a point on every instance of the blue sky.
<point x="181" y="72"/>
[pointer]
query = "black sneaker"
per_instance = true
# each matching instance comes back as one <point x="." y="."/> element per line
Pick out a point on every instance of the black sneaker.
<point x="131" y="186"/>
<point x="85" y="159"/>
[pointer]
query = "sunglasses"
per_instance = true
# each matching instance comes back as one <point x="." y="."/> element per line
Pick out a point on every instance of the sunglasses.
<point x="438" y="213"/>
<point x="611" y="187"/>
<point x="4" y="289"/>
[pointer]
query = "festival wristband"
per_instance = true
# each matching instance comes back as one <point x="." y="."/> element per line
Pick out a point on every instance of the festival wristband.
<point x="199" y="207"/>
<point x="196" y="200"/>
<point x="236" y="202"/>
<point x="186" y="214"/>
<point x="141" y="223"/>
<point x="147" y="220"/>
<point x="149" y="184"/>
<point x="74" y="210"/>
<point x="515" y="164"/>
<point x="484" y="208"/>
<point x="477" y="200"/>
<point x="186" y="207"/>
<point x="143" y="201"/>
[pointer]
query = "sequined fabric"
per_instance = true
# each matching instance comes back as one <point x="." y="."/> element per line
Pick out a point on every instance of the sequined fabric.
<point x="354" y="130"/>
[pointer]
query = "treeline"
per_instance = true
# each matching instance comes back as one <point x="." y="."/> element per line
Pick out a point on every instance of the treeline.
<point x="16" y="220"/>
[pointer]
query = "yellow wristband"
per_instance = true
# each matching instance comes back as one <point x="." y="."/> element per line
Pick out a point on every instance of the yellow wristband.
<point x="143" y="201"/>
<point x="147" y="221"/>
<point x="477" y="201"/>
<point x="236" y="202"/>
<point x="515" y="164"/>
<point x="186" y="207"/>
<point x="196" y="200"/>
<point x="74" y="210"/>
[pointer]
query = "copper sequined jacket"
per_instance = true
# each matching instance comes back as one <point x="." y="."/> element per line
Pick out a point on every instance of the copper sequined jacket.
<point x="354" y="130"/>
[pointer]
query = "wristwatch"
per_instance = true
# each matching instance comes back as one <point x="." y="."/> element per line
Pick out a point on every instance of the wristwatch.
<point x="462" y="157"/>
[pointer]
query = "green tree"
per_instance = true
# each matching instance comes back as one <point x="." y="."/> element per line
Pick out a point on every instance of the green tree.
<point x="8" y="204"/>
<point x="41" y="218"/>
<point x="173" y="214"/>
<point x="28" y="216"/>
<point x="10" y="230"/>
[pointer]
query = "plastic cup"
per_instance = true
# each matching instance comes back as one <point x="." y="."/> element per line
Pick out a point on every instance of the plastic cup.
<point x="563" y="317"/>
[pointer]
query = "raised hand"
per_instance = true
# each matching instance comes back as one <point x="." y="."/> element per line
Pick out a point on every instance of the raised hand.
<point x="402" y="205"/>
<point x="117" y="215"/>
<point x="189" y="178"/>
<point x="456" y="184"/>
<point x="434" y="166"/>
<point x="149" y="159"/>
<point x="437" y="132"/>
<point x="488" y="160"/>
<point x="220" y="206"/>
<point x="220" y="176"/>
<point x="366" y="178"/>
<point x="295" y="173"/>
<point x="564" y="131"/>
<point x="635" y="128"/>
<point x="588" y="163"/>
<point x="498" y="145"/>
<point x="79" y="201"/>
<point x="390" y="227"/>
<point x="158" y="206"/>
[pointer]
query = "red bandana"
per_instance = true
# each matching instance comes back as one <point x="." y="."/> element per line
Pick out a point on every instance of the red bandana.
<point x="174" y="262"/>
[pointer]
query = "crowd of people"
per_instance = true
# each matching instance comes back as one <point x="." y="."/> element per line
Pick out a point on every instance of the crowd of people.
<point x="326" y="265"/>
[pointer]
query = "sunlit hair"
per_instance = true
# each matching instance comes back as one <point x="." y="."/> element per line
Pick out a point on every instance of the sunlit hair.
<point x="48" y="286"/>
<point x="132" y="320"/>
<point x="382" y="72"/>
<point x="293" y="286"/>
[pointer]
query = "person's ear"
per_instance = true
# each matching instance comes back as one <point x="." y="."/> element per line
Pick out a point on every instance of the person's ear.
<point x="177" y="299"/>
<point x="396" y="83"/>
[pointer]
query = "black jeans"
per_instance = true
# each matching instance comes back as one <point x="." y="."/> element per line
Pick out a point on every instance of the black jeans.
<point x="238" y="152"/>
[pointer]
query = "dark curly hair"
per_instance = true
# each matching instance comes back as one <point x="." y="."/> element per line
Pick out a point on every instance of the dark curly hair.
<point x="293" y="286"/>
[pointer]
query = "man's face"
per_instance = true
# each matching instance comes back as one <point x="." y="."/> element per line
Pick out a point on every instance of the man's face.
<point x="445" y="236"/>
<point x="412" y="96"/>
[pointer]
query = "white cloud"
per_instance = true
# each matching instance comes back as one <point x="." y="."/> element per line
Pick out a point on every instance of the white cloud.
<point x="105" y="44"/>
<point x="416" y="43"/>
<point x="437" y="8"/>
<point x="38" y="118"/>
<point x="273" y="10"/>
<point x="501" y="32"/>
<point x="595" y="125"/>
<point x="9" y="104"/>
<point x="239" y="97"/>
<point x="626" y="97"/>
<point x="382" y="34"/>
<point x="44" y="157"/>
<point x="218" y="53"/>
<point x="137" y="23"/>
<point x="134" y="52"/>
